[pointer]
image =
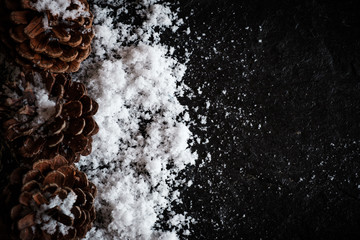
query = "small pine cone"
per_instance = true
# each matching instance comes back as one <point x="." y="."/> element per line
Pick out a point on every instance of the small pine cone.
<point x="62" y="124"/>
<point x="56" y="39"/>
<point x="50" y="200"/>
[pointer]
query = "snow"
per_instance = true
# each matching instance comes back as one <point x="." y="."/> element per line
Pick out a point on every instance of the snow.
<point x="49" y="224"/>
<point x="142" y="144"/>
<point x="60" y="8"/>
<point x="45" y="106"/>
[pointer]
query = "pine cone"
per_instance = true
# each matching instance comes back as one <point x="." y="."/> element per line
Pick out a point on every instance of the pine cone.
<point x="53" y="39"/>
<point x="41" y="128"/>
<point x="51" y="200"/>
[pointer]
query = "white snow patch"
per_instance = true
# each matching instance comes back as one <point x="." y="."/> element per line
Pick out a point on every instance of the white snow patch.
<point x="49" y="224"/>
<point x="142" y="144"/>
<point x="61" y="8"/>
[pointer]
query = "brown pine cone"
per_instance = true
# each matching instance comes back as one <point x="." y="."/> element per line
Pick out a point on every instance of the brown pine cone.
<point x="39" y="127"/>
<point x="53" y="39"/>
<point x="50" y="200"/>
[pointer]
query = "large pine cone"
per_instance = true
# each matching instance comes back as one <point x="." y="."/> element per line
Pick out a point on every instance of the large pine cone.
<point x="53" y="39"/>
<point x="51" y="200"/>
<point x="38" y="128"/>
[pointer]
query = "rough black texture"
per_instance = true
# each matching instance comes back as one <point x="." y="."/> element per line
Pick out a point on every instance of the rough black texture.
<point x="283" y="122"/>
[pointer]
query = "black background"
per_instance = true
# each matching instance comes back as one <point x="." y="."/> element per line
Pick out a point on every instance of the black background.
<point x="296" y="176"/>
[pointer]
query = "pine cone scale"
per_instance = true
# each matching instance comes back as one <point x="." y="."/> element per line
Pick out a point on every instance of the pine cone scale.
<point x="42" y="165"/>
<point x="83" y="54"/>
<point x="31" y="175"/>
<point x="26" y="234"/>
<point x="69" y="54"/>
<point x="58" y="161"/>
<point x="55" y="177"/>
<point x="72" y="109"/>
<point x="53" y="49"/>
<point x="58" y="125"/>
<point x="95" y="108"/>
<point x="26" y="4"/>
<point x="16" y="211"/>
<point x="20" y="17"/>
<point x="24" y="198"/>
<point x="61" y="34"/>
<point x="17" y="34"/>
<point x="58" y="90"/>
<point x="59" y="66"/>
<point x="31" y="148"/>
<point x="27" y="221"/>
<point x="39" y="43"/>
<point x="54" y="140"/>
<point x="86" y="103"/>
<point x="35" y="27"/>
<point x="40" y="199"/>
<point x="74" y="41"/>
<point x="29" y="186"/>
<point x="76" y="126"/>
<point x="66" y="220"/>
<point x="87" y="150"/>
<point x="25" y="51"/>
<point x="70" y="173"/>
<point x="78" y="143"/>
<point x="90" y="126"/>
<point x="74" y="66"/>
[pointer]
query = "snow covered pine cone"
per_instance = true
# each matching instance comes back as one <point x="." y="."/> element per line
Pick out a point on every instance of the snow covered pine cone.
<point x="50" y="200"/>
<point x="45" y="114"/>
<point x="50" y="35"/>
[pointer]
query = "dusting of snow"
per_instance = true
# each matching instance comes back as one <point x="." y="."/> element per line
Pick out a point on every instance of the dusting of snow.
<point x="143" y="144"/>
<point x="45" y="22"/>
<point x="45" y="106"/>
<point x="49" y="224"/>
<point x="60" y="8"/>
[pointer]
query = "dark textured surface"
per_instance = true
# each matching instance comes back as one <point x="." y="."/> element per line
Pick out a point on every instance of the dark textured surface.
<point x="283" y="121"/>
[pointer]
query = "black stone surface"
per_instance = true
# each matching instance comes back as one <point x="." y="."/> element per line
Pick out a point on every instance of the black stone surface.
<point x="283" y="122"/>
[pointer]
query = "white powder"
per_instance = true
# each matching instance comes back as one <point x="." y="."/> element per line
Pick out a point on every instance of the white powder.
<point x="142" y="145"/>
<point x="60" y="8"/>
<point x="45" y="106"/>
<point x="49" y="224"/>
